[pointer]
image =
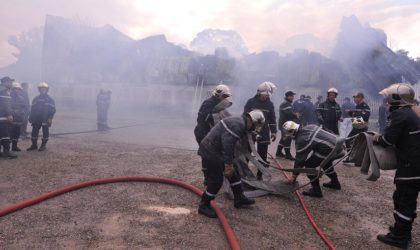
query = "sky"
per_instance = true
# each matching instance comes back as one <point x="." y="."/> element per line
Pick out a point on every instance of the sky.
<point x="263" y="24"/>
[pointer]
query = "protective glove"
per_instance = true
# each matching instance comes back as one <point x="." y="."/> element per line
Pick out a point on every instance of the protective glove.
<point x="10" y="118"/>
<point x="49" y="122"/>
<point x="273" y="137"/>
<point x="229" y="170"/>
<point x="375" y="138"/>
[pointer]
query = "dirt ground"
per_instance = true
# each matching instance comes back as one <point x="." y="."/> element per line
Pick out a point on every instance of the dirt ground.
<point x="156" y="216"/>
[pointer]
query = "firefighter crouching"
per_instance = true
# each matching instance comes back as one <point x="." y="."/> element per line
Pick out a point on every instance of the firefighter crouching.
<point x="42" y="113"/>
<point x="313" y="138"/>
<point x="217" y="154"/>
<point x="403" y="133"/>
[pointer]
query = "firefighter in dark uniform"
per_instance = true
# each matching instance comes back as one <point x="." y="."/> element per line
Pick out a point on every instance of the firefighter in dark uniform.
<point x="313" y="139"/>
<point x="286" y="114"/>
<point x="403" y="133"/>
<point x="6" y="117"/>
<point x="19" y="112"/>
<point x="205" y="119"/>
<point x="360" y="117"/>
<point x="329" y="112"/>
<point x="103" y="101"/>
<point x="261" y="101"/>
<point x="42" y="113"/>
<point x="217" y="154"/>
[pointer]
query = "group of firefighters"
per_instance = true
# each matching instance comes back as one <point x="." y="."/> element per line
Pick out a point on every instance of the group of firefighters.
<point x="16" y="111"/>
<point x="316" y="136"/>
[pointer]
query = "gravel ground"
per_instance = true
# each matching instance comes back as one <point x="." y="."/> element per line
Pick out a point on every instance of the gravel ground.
<point x="156" y="216"/>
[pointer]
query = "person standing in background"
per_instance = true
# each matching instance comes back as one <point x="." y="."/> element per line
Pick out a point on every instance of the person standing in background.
<point x="345" y="126"/>
<point x="103" y="101"/>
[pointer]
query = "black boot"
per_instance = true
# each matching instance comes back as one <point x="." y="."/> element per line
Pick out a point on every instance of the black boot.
<point x="391" y="229"/>
<point x="288" y="154"/>
<point x="241" y="200"/>
<point x="315" y="190"/>
<point x="15" y="148"/>
<point x="334" y="183"/>
<point x="204" y="208"/>
<point x="34" y="146"/>
<point x="279" y="152"/>
<point x="400" y="241"/>
<point x="43" y="146"/>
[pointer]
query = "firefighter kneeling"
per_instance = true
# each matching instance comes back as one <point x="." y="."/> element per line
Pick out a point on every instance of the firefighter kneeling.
<point x="217" y="153"/>
<point x="321" y="143"/>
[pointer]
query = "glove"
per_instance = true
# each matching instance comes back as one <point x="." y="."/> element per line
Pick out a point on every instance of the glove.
<point x="229" y="170"/>
<point x="375" y="138"/>
<point x="10" y="118"/>
<point x="49" y="122"/>
<point x="273" y="137"/>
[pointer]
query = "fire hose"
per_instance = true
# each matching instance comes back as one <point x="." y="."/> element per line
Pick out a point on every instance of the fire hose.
<point x="308" y="214"/>
<point x="233" y="242"/>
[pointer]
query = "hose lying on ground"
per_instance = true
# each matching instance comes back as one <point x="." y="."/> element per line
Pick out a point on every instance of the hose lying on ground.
<point x="308" y="214"/>
<point x="233" y="242"/>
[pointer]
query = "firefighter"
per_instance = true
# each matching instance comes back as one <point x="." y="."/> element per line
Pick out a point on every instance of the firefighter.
<point x="6" y="117"/>
<point x="42" y="113"/>
<point x="403" y="133"/>
<point x="19" y="112"/>
<point x="346" y="126"/>
<point x="103" y="101"/>
<point x="360" y="117"/>
<point x="205" y="119"/>
<point x="217" y="154"/>
<point x="261" y="101"/>
<point x="286" y="114"/>
<point x="329" y="112"/>
<point x="313" y="139"/>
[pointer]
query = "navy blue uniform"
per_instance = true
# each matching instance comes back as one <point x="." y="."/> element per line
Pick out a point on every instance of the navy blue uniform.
<point x="42" y="110"/>
<point x="329" y="113"/>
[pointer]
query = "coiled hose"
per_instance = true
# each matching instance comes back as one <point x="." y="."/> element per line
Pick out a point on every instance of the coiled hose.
<point x="233" y="242"/>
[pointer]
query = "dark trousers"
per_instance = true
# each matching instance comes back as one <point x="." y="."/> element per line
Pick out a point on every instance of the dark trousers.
<point x="102" y="118"/>
<point x="313" y="162"/>
<point x="24" y="126"/>
<point x="262" y="149"/>
<point x="354" y="132"/>
<point x="35" y="133"/>
<point x="215" y="168"/>
<point x="405" y="206"/>
<point x="5" y="136"/>
<point x="15" y="132"/>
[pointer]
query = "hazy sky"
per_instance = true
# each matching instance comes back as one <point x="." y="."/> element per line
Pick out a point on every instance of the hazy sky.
<point x="262" y="23"/>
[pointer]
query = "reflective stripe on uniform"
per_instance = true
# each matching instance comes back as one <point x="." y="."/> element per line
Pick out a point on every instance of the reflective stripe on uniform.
<point x="407" y="178"/>
<point x="319" y="155"/>
<point x="387" y="142"/>
<point x="326" y="143"/>
<point x="310" y="142"/>
<point x="402" y="216"/>
<point x="209" y="194"/>
<point x="228" y="130"/>
<point x="236" y="183"/>
<point x="414" y="132"/>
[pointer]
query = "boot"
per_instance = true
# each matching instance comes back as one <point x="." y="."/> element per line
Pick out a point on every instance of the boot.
<point x="241" y="200"/>
<point x="8" y="154"/>
<point x="43" y="146"/>
<point x="313" y="193"/>
<point x="288" y="154"/>
<point x="15" y="148"/>
<point x="400" y="241"/>
<point x="204" y="208"/>
<point x="391" y="229"/>
<point x="279" y="152"/>
<point x="334" y="183"/>
<point x="315" y="190"/>
<point x="34" y="146"/>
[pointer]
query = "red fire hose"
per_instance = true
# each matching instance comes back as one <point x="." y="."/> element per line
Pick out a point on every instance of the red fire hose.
<point x="308" y="214"/>
<point x="233" y="242"/>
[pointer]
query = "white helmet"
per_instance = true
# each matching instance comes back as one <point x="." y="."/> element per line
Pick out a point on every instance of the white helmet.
<point x="358" y="122"/>
<point x="16" y="85"/>
<point x="290" y="128"/>
<point x="43" y="85"/>
<point x="332" y="90"/>
<point x="398" y="94"/>
<point x="266" y="88"/>
<point x="221" y="90"/>
<point x="257" y="118"/>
